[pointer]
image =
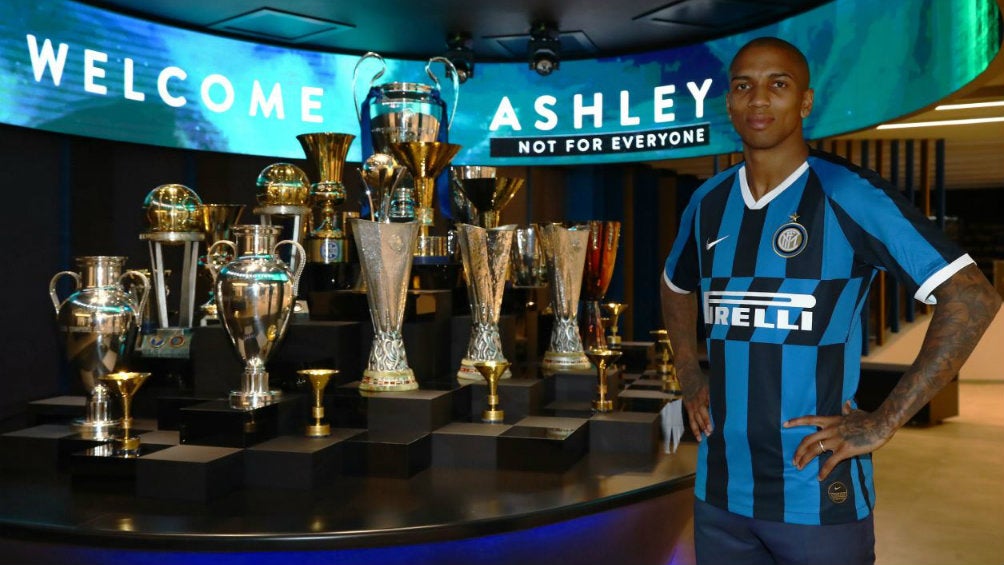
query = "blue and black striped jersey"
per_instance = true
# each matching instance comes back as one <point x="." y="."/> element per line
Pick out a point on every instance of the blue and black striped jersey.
<point x="782" y="283"/>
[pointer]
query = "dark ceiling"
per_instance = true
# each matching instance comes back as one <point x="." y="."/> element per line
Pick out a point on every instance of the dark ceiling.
<point x="499" y="29"/>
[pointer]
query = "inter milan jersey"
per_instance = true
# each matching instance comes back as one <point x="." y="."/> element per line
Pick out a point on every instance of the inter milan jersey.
<point x="782" y="283"/>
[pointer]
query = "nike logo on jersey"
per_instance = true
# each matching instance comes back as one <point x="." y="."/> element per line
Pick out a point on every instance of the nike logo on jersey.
<point x="772" y="310"/>
<point x="710" y="244"/>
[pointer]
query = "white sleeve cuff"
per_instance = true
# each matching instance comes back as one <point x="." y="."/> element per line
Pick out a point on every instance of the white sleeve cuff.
<point x="671" y="286"/>
<point x="924" y="293"/>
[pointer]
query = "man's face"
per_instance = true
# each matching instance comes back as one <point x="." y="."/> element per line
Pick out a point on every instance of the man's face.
<point x="768" y="97"/>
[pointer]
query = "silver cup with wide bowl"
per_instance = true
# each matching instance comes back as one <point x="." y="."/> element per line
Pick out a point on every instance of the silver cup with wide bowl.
<point x="565" y="249"/>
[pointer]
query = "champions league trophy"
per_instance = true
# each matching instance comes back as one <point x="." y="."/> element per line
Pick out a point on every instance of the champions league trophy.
<point x="565" y="250"/>
<point x="485" y="253"/>
<point x="217" y="219"/>
<point x="328" y="248"/>
<point x="255" y="295"/>
<point x="601" y="254"/>
<point x="99" y="322"/>
<point x="172" y="211"/>
<point x="385" y="253"/>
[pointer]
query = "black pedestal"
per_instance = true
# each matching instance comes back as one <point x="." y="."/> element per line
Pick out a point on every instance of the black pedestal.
<point x="41" y="449"/>
<point x="518" y="398"/>
<point x="189" y="472"/>
<point x="216" y="423"/>
<point x="467" y="445"/>
<point x="636" y="356"/>
<point x="55" y="410"/>
<point x="624" y="432"/>
<point x="580" y="386"/>
<point x="101" y="467"/>
<point x="296" y="462"/>
<point x="545" y="444"/>
<point x="398" y="454"/>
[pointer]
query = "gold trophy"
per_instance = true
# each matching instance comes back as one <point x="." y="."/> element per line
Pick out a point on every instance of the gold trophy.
<point x="318" y="380"/>
<point x="602" y="359"/>
<point x="492" y="371"/>
<point x="381" y="174"/>
<point x="217" y="219"/>
<point x="488" y="193"/>
<point x="327" y="243"/>
<point x="283" y="192"/>
<point x="125" y="385"/>
<point x="664" y="366"/>
<point x="425" y="160"/>
<point x="614" y="309"/>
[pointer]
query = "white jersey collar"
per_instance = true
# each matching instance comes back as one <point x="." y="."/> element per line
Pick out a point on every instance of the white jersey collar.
<point x="771" y="194"/>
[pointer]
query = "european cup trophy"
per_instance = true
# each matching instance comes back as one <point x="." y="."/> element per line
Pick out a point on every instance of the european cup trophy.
<point x="565" y="249"/>
<point x="255" y="296"/>
<point x="601" y="254"/>
<point x="385" y="253"/>
<point x="485" y="253"/>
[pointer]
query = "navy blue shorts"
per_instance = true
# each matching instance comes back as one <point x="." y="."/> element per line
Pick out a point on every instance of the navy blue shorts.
<point x="724" y="538"/>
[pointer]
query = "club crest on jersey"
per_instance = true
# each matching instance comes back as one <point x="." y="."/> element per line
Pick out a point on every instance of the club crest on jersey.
<point x="791" y="238"/>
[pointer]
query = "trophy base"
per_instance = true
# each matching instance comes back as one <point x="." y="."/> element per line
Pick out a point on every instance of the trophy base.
<point x="614" y="341"/>
<point x="97" y="430"/>
<point x="603" y="405"/>
<point x="250" y="400"/>
<point x="493" y="416"/>
<point x="468" y="373"/>
<point x="388" y="381"/>
<point x="555" y="362"/>
<point x="319" y="430"/>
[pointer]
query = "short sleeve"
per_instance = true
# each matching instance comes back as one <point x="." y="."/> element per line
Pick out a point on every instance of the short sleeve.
<point x="682" y="272"/>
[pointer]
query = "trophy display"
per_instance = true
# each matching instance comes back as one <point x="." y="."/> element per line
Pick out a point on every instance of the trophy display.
<point x="330" y="253"/>
<point x="483" y="194"/>
<point x="380" y="174"/>
<point x="319" y="379"/>
<point x="385" y="253"/>
<point x="99" y="321"/>
<point x="602" y="359"/>
<point x="174" y="219"/>
<point x="217" y="219"/>
<point x="492" y="371"/>
<point x="614" y="311"/>
<point x="664" y="365"/>
<point x="565" y="249"/>
<point x="255" y="296"/>
<point x="283" y="193"/>
<point x="485" y="254"/>
<point x="601" y="255"/>
<point x="125" y="384"/>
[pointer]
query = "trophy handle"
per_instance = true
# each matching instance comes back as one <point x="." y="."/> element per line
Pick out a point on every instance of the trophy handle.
<point x="355" y="75"/>
<point x="143" y="297"/>
<point x="451" y="71"/>
<point x="211" y="264"/>
<point x="56" y="303"/>
<point x="297" y="248"/>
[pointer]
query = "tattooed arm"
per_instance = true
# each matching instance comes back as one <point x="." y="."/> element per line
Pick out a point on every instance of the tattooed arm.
<point x="966" y="306"/>
<point x="679" y="313"/>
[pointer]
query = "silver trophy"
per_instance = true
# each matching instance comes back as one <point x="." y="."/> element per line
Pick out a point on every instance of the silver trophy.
<point x="565" y="249"/>
<point x="385" y="253"/>
<point x="529" y="264"/>
<point x="255" y="294"/>
<point x="99" y="321"/>
<point x="485" y="253"/>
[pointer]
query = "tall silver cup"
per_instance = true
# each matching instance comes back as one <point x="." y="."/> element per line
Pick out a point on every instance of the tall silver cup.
<point x="385" y="254"/>
<point x="565" y="249"/>
<point x="485" y="253"/>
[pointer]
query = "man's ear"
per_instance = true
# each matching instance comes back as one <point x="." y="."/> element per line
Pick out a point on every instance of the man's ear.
<point x="806" y="103"/>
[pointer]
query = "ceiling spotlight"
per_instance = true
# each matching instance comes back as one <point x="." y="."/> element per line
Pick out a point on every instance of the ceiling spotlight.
<point x="544" y="48"/>
<point x="460" y="53"/>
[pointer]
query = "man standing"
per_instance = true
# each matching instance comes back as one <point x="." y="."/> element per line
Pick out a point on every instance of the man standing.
<point x="783" y="248"/>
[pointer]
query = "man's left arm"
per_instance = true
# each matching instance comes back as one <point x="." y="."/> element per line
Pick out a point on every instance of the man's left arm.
<point x="966" y="304"/>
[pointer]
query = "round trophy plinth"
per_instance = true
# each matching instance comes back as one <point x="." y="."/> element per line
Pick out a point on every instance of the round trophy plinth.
<point x="614" y="341"/>
<point x="555" y="362"/>
<point x="388" y="381"/>
<point x="251" y="400"/>
<point x="468" y="372"/>
<point x="99" y="430"/>
<point x="172" y="236"/>
<point x="493" y="416"/>
<point x="127" y="446"/>
<point x="603" y="405"/>
<point x="322" y="430"/>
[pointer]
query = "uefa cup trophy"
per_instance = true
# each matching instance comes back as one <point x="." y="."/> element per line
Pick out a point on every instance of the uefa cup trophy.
<point x="125" y="384"/>
<point x="601" y="254"/>
<point x="255" y="295"/>
<point x="565" y="250"/>
<point x="602" y="359"/>
<point x="492" y="371"/>
<point x="99" y="322"/>
<point x="217" y="219"/>
<point x="385" y="252"/>
<point x="485" y="254"/>
<point x="485" y="192"/>
<point x="318" y="381"/>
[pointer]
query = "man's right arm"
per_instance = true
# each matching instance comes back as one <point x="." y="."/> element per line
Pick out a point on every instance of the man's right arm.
<point x="679" y="314"/>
